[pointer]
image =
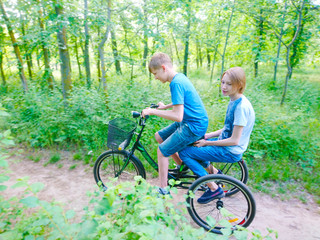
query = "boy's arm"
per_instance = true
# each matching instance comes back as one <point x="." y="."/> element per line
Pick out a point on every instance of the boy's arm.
<point x="162" y="106"/>
<point x="231" y="141"/>
<point x="176" y="114"/>
<point x="212" y="134"/>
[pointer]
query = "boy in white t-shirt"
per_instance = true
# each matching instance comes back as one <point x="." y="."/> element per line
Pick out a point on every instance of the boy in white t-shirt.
<point x="232" y="139"/>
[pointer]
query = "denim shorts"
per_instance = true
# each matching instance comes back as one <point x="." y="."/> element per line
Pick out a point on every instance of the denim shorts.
<point x="176" y="137"/>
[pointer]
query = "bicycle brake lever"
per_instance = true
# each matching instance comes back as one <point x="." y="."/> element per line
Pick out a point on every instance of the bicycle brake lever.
<point x="154" y="105"/>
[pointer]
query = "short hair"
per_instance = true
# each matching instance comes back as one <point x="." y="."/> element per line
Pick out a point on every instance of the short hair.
<point x="237" y="77"/>
<point x="159" y="59"/>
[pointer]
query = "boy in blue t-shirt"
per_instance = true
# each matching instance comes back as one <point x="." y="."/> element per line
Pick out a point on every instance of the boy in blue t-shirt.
<point x="233" y="138"/>
<point x="188" y="113"/>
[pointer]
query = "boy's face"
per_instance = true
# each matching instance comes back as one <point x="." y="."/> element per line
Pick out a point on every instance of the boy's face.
<point x="227" y="88"/>
<point x="160" y="74"/>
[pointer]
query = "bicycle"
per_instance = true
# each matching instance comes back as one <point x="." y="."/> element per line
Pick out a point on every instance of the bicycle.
<point x="124" y="165"/>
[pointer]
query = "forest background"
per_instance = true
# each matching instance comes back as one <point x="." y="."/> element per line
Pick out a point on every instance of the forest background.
<point x="68" y="67"/>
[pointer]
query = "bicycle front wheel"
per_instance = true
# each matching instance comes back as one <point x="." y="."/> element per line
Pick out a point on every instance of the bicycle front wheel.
<point x="237" y="209"/>
<point x="117" y="164"/>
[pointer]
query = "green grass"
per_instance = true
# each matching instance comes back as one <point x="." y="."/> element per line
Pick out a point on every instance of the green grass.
<point x="54" y="158"/>
<point x="284" y="144"/>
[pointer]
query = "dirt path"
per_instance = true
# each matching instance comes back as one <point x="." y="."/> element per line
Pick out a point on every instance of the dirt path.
<point x="292" y="219"/>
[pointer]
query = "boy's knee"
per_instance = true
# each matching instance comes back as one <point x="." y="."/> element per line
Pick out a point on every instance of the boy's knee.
<point x="158" y="138"/>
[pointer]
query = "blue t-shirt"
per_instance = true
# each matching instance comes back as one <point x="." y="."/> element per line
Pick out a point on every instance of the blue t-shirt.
<point x="240" y="113"/>
<point x="195" y="114"/>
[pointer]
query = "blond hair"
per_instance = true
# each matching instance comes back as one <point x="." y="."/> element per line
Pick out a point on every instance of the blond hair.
<point x="237" y="77"/>
<point x="159" y="59"/>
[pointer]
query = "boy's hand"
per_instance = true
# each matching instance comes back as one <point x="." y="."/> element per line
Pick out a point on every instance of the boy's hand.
<point x="200" y="143"/>
<point x="146" y="112"/>
<point x="161" y="106"/>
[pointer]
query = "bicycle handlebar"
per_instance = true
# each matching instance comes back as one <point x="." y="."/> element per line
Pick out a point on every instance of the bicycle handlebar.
<point x="136" y="114"/>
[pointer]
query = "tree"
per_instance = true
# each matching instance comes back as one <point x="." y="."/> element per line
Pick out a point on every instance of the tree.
<point x="279" y="45"/>
<point x="2" y="49"/>
<point x="187" y="37"/>
<point x="298" y="24"/>
<point x="145" y="34"/>
<point x="44" y="45"/>
<point x="115" y="52"/>
<point x="226" y="42"/>
<point x="86" y="45"/>
<point x="15" y="47"/>
<point x="63" y="50"/>
<point x="101" y="45"/>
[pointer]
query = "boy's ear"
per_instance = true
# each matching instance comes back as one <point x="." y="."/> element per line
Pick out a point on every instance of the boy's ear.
<point x="163" y="67"/>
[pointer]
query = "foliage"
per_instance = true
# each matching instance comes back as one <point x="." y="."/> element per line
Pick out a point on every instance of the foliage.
<point x="275" y="153"/>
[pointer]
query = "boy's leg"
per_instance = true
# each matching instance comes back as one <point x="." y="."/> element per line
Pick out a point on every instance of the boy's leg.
<point x="174" y="156"/>
<point x="173" y="142"/>
<point x="163" y="163"/>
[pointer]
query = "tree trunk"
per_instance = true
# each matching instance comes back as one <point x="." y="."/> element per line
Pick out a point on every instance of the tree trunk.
<point x="176" y="48"/>
<point x="16" y="49"/>
<point x="145" y="35"/>
<point x="76" y="51"/>
<point x="115" y="52"/>
<point x="208" y="59"/>
<point x="3" y="77"/>
<point x="213" y="63"/>
<point x="128" y="47"/>
<point x="26" y="48"/>
<point x="86" y="45"/>
<point x="197" y="51"/>
<point x="279" y="46"/>
<point x="47" y="71"/>
<point x="64" y="54"/>
<point x="186" y="50"/>
<point x="260" y="42"/>
<point x="101" y="53"/>
<point x="98" y="60"/>
<point x="225" y="45"/>
<point x="38" y="58"/>
<point x="289" y="72"/>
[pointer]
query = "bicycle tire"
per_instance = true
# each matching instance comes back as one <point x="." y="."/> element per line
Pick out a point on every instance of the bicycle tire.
<point x="242" y="205"/>
<point x="238" y="170"/>
<point x="109" y="164"/>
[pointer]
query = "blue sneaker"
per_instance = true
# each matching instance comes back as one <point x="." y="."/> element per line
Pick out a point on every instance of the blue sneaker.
<point x="208" y="196"/>
<point x="163" y="191"/>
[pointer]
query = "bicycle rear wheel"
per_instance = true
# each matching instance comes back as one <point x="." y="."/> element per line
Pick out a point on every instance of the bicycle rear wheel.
<point x="117" y="164"/>
<point x="238" y="170"/>
<point x="240" y="207"/>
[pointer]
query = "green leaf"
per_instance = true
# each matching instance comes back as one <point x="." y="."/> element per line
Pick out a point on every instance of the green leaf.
<point x="30" y="201"/>
<point x="4" y="114"/>
<point x="37" y="187"/>
<point x="4" y="178"/>
<point x="241" y="235"/>
<point x="7" y="142"/>
<point x="20" y="184"/>
<point x="41" y="222"/>
<point x="3" y="163"/>
<point x="88" y="227"/>
<point x="7" y="133"/>
<point x="211" y="221"/>
<point x="70" y="214"/>
<point x="3" y="187"/>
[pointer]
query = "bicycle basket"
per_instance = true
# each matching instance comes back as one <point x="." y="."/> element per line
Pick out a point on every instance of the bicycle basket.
<point x="120" y="131"/>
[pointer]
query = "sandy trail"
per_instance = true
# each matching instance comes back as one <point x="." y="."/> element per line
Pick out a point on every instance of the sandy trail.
<point x="292" y="219"/>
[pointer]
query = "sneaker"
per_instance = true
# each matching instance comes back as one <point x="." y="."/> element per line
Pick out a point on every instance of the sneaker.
<point x="209" y="195"/>
<point x="163" y="191"/>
